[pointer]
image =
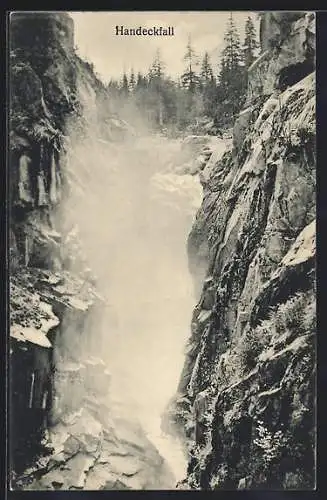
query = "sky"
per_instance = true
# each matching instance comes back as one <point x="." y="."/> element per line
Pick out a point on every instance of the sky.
<point x="96" y="40"/>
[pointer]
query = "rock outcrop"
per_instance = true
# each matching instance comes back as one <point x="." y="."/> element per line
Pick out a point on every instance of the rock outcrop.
<point x="65" y="434"/>
<point x="246" y="397"/>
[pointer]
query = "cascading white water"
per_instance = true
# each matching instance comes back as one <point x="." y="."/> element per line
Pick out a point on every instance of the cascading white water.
<point x="133" y="218"/>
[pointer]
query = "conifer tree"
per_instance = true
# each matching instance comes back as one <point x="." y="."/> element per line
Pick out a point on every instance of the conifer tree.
<point x="250" y="44"/>
<point x="156" y="83"/>
<point x="208" y="86"/>
<point x="113" y="85"/>
<point x="140" y="81"/>
<point x="114" y="91"/>
<point x="189" y="78"/>
<point x="132" y="81"/>
<point x="157" y="68"/>
<point x="231" y="76"/>
<point x="206" y="73"/>
<point x="141" y="94"/>
<point x="124" y="85"/>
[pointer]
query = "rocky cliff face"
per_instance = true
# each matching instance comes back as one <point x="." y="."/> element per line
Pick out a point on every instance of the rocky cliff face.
<point x="64" y="433"/>
<point x="246" y="397"/>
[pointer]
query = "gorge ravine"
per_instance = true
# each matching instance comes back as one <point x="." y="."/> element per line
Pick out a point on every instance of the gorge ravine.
<point x="86" y="192"/>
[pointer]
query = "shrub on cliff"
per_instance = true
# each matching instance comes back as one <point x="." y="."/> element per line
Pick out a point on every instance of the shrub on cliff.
<point x="288" y="320"/>
<point x="253" y="342"/>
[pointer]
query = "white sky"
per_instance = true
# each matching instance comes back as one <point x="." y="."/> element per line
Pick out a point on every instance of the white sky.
<point x="96" y="39"/>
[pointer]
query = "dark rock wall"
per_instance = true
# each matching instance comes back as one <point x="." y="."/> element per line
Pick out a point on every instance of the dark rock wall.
<point x="46" y="77"/>
<point x="65" y="431"/>
<point x="246" y="396"/>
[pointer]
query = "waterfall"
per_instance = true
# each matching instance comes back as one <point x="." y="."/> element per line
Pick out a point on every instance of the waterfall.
<point x="133" y="215"/>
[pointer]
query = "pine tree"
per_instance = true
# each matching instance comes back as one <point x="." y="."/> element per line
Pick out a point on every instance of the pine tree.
<point x="141" y="94"/>
<point x="113" y="85"/>
<point x="206" y="73"/>
<point x="157" y="68"/>
<point x="208" y="86"/>
<point x="232" y="74"/>
<point x="140" y="81"/>
<point x="189" y="78"/>
<point x="250" y="43"/>
<point x="132" y="81"/>
<point x="124" y="85"/>
<point x="156" y="79"/>
<point x="231" y="55"/>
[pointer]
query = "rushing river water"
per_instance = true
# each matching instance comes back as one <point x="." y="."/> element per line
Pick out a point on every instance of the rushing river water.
<point x="134" y="215"/>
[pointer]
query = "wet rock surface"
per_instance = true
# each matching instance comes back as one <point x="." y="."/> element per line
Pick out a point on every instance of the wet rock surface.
<point x="246" y="395"/>
<point x="89" y="441"/>
<point x="252" y="257"/>
<point x="97" y="448"/>
<point x="73" y="435"/>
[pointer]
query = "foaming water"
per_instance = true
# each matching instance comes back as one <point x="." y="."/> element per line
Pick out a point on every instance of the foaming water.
<point x="133" y="219"/>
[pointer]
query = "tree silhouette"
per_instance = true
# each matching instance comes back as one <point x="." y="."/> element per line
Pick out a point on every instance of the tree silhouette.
<point x="189" y="78"/>
<point x="250" y="44"/>
<point x="124" y="85"/>
<point x="208" y="86"/>
<point x="132" y="81"/>
<point x="232" y="74"/>
<point x="206" y="73"/>
<point x="156" y="71"/>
